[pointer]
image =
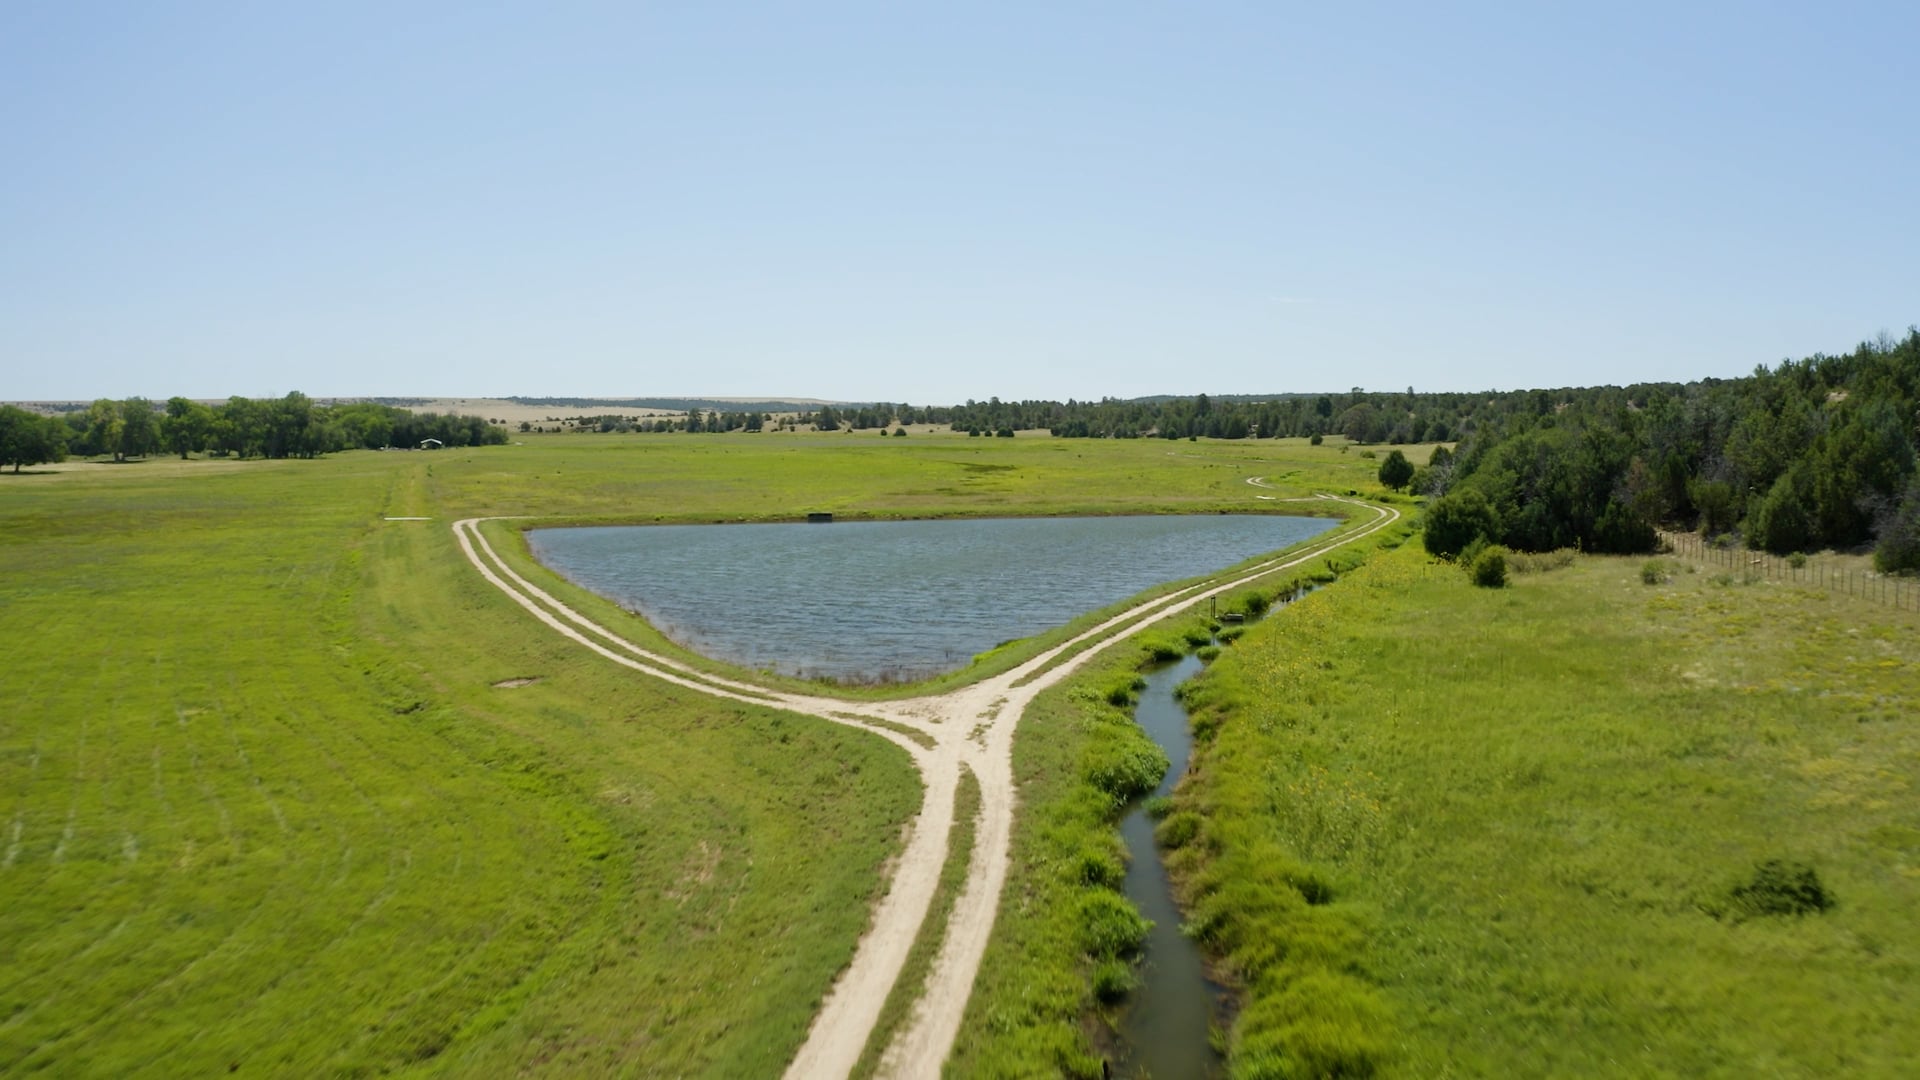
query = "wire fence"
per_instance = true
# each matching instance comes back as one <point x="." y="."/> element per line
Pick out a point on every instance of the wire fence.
<point x="1889" y="589"/>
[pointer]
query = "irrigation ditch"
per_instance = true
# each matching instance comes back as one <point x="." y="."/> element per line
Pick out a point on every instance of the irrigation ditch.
<point x="1169" y="1024"/>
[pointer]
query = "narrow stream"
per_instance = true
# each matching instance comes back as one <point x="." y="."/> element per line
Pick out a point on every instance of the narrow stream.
<point x="1164" y="1031"/>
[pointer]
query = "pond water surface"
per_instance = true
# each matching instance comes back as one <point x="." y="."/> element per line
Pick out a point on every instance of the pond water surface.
<point x="893" y="600"/>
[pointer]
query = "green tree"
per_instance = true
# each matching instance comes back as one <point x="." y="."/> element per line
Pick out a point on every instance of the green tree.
<point x="1363" y="423"/>
<point x="30" y="439"/>
<point x="139" y="429"/>
<point x="1898" y="549"/>
<point x="1713" y="500"/>
<point x="1783" y="522"/>
<point x="103" y="428"/>
<point x="238" y="427"/>
<point x="186" y="427"/>
<point x="1458" y="519"/>
<point x="1396" y="470"/>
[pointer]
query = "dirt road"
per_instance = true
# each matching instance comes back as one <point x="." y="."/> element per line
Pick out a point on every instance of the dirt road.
<point x="971" y="727"/>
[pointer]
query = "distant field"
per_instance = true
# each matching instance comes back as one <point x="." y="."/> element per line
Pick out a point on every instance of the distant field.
<point x="1448" y="831"/>
<point x="263" y="805"/>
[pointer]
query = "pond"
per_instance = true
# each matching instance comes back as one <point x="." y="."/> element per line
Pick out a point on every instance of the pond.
<point x="869" y="601"/>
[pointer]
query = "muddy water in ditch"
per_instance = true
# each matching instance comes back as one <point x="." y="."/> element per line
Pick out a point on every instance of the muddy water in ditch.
<point x="1164" y="1031"/>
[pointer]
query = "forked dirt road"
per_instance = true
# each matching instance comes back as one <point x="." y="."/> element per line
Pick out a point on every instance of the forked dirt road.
<point x="970" y="728"/>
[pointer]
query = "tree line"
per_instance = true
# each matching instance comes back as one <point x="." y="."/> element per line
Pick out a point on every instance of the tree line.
<point x="289" y="427"/>
<point x="1811" y="454"/>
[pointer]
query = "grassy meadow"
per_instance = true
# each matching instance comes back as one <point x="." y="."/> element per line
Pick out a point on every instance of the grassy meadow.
<point x="1437" y="830"/>
<point x="1064" y="950"/>
<point x="264" y="806"/>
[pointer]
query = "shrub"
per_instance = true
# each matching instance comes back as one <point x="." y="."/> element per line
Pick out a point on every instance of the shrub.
<point x="1396" y="471"/>
<point x="1898" y="550"/>
<point x="1778" y="887"/>
<point x="1521" y="562"/>
<point x="1178" y="830"/>
<point x="1715" y="502"/>
<point x="1107" y="927"/>
<point x="1323" y="1024"/>
<point x="1472" y="551"/>
<point x="1125" y="769"/>
<point x="1113" y="980"/>
<point x="1623" y="531"/>
<point x="1160" y="651"/>
<point x="1096" y="867"/>
<point x="1783" y="521"/>
<point x="1316" y="440"/>
<point x="1489" y="568"/>
<point x="1653" y="572"/>
<point x="1796" y="560"/>
<point x="1458" y="519"/>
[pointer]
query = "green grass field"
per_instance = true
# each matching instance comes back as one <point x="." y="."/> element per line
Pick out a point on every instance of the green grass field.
<point x="1442" y="830"/>
<point x="262" y="804"/>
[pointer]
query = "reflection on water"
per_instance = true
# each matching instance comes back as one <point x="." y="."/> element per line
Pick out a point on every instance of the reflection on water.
<point x="893" y="600"/>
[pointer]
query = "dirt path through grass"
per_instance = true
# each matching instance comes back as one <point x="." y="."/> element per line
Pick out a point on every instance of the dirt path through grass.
<point x="972" y="727"/>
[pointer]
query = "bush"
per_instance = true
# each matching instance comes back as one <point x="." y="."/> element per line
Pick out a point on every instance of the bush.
<point x="1783" y="521"/>
<point x="1316" y="440"/>
<point x="1489" y="568"/>
<point x="1160" y="651"/>
<point x="1778" y="887"/>
<point x="1099" y="868"/>
<point x="1796" y="560"/>
<point x="1396" y="471"/>
<point x="1178" y="830"/>
<point x="1521" y="562"/>
<point x="1323" y="1024"/>
<point x="1125" y="769"/>
<point x="1622" y="531"/>
<point x="1113" y="980"/>
<point x="1458" y="519"/>
<point x="1898" y="550"/>
<point x="1653" y="572"/>
<point x="1125" y="694"/>
<point x="1108" y="927"/>
<point x="1714" y="500"/>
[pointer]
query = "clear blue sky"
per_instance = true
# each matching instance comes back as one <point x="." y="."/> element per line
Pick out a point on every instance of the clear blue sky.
<point x="890" y="202"/>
